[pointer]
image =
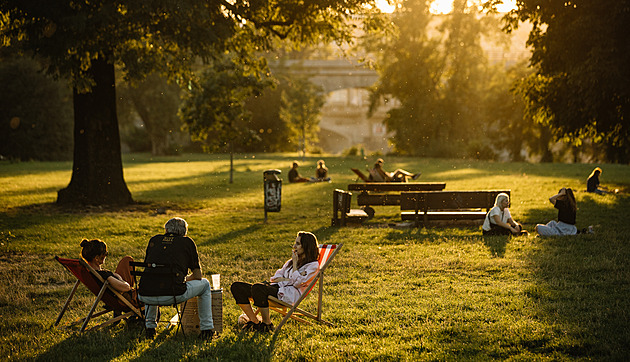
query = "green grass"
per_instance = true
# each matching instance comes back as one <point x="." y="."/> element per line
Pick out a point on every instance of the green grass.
<point x="393" y="294"/>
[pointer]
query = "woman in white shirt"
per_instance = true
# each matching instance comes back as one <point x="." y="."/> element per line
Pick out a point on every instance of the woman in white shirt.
<point x="499" y="220"/>
<point x="287" y="284"/>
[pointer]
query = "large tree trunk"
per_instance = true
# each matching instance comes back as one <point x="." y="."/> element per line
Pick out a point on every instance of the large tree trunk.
<point x="97" y="175"/>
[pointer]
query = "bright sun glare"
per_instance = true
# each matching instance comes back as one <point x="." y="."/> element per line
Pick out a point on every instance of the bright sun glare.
<point x="445" y="6"/>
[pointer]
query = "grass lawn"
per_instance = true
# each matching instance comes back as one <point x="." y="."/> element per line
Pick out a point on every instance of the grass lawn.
<point x="393" y="294"/>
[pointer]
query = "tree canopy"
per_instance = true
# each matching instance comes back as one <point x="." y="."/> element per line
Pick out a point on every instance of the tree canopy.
<point x="581" y="55"/>
<point x="82" y="40"/>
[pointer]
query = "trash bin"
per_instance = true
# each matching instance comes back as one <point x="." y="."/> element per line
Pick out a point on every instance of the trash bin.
<point x="273" y="191"/>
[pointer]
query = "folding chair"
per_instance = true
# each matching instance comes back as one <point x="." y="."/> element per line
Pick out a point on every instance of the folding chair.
<point x="167" y="272"/>
<point x="326" y="254"/>
<point x="113" y="300"/>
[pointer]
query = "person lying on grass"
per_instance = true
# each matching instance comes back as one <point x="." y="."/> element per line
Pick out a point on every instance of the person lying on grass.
<point x="94" y="253"/>
<point x="499" y="221"/>
<point x="287" y="284"/>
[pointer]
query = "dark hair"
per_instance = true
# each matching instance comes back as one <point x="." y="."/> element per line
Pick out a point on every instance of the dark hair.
<point x="571" y="198"/>
<point x="309" y="244"/>
<point x="92" y="249"/>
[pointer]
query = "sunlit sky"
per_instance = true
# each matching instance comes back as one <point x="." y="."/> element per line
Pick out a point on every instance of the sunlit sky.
<point x="445" y="6"/>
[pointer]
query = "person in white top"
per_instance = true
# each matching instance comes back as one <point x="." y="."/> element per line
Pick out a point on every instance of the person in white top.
<point x="287" y="284"/>
<point x="499" y="220"/>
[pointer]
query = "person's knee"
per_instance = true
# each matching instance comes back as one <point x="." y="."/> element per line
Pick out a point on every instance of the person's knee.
<point x="258" y="288"/>
<point x="205" y="286"/>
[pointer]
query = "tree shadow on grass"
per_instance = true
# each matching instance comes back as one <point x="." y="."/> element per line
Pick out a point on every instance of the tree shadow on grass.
<point x="581" y="284"/>
<point x="230" y="236"/>
<point x="106" y="345"/>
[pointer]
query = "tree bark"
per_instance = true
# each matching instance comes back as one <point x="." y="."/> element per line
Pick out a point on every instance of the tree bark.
<point x="97" y="174"/>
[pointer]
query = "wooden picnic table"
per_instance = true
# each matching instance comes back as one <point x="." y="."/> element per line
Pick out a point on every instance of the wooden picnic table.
<point x="397" y="186"/>
<point x="388" y="193"/>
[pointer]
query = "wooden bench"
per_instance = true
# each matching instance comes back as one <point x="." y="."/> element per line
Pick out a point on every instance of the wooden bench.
<point x="388" y="193"/>
<point x="342" y="213"/>
<point x="447" y="205"/>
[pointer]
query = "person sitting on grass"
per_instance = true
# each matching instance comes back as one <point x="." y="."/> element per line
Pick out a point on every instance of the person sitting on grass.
<point x="378" y="174"/>
<point x="294" y="175"/>
<point x="321" y="173"/>
<point x="499" y="221"/>
<point x="564" y="201"/>
<point x="592" y="183"/>
<point x="94" y="253"/>
<point x="287" y="284"/>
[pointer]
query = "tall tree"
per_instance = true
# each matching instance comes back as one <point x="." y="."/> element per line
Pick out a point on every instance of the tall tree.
<point x="214" y="110"/>
<point x="301" y="108"/>
<point x="83" y="40"/>
<point x="581" y="55"/>
<point x="436" y="69"/>
<point x="156" y="103"/>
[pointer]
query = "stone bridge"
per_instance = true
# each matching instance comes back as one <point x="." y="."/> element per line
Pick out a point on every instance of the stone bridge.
<point x="344" y="121"/>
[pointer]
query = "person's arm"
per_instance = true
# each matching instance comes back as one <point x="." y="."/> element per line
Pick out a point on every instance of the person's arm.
<point x="117" y="284"/>
<point x="195" y="275"/>
<point x="497" y="221"/>
<point x="278" y="276"/>
<point x="386" y="176"/>
<point x="555" y="197"/>
<point x="299" y="278"/>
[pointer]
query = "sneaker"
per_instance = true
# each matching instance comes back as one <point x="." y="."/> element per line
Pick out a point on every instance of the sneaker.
<point x="250" y="326"/>
<point x="207" y="335"/>
<point x="415" y="177"/>
<point x="150" y="333"/>
<point x="263" y="327"/>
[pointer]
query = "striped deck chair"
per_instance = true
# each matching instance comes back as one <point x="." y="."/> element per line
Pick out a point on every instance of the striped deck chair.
<point x="113" y="300"/>
<point x="326" y="254"/>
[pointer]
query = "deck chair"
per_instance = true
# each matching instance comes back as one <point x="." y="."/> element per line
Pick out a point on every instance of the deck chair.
<point x="326" y="254"/>
<point x="165" y="271"/>
<point x="112" y="299"/>
<point x="361" y="175"/>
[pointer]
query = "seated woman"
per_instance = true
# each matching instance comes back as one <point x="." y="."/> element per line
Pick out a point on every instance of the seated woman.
<point x="294" y="175"/>
<point x="287" y="284"/>
<point x="592" y="183"/>
<point x="564" y="201"/>
<point x="321" y="173"/>
<point x="378" y="174"/>
<point x="94" y="253"/>
<point x="499" y="221"/>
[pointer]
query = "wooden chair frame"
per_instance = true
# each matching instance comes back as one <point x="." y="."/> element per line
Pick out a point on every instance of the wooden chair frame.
<point x="117" y="302"/>
<point x="298" y="314"/>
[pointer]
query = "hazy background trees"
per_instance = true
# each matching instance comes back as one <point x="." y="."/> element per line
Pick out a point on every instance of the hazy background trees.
<point x="147" y="111"/>
<point x="436" y="69"/>
<point x="36" y="116"/>
<point x="301" y="104"/>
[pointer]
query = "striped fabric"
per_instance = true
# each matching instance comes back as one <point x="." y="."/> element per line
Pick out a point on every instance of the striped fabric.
<point x="325" y="251"/>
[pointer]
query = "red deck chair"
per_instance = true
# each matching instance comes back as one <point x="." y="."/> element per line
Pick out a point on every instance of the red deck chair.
<point x="326" y="254"/>
<point x="113" y="302"/>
